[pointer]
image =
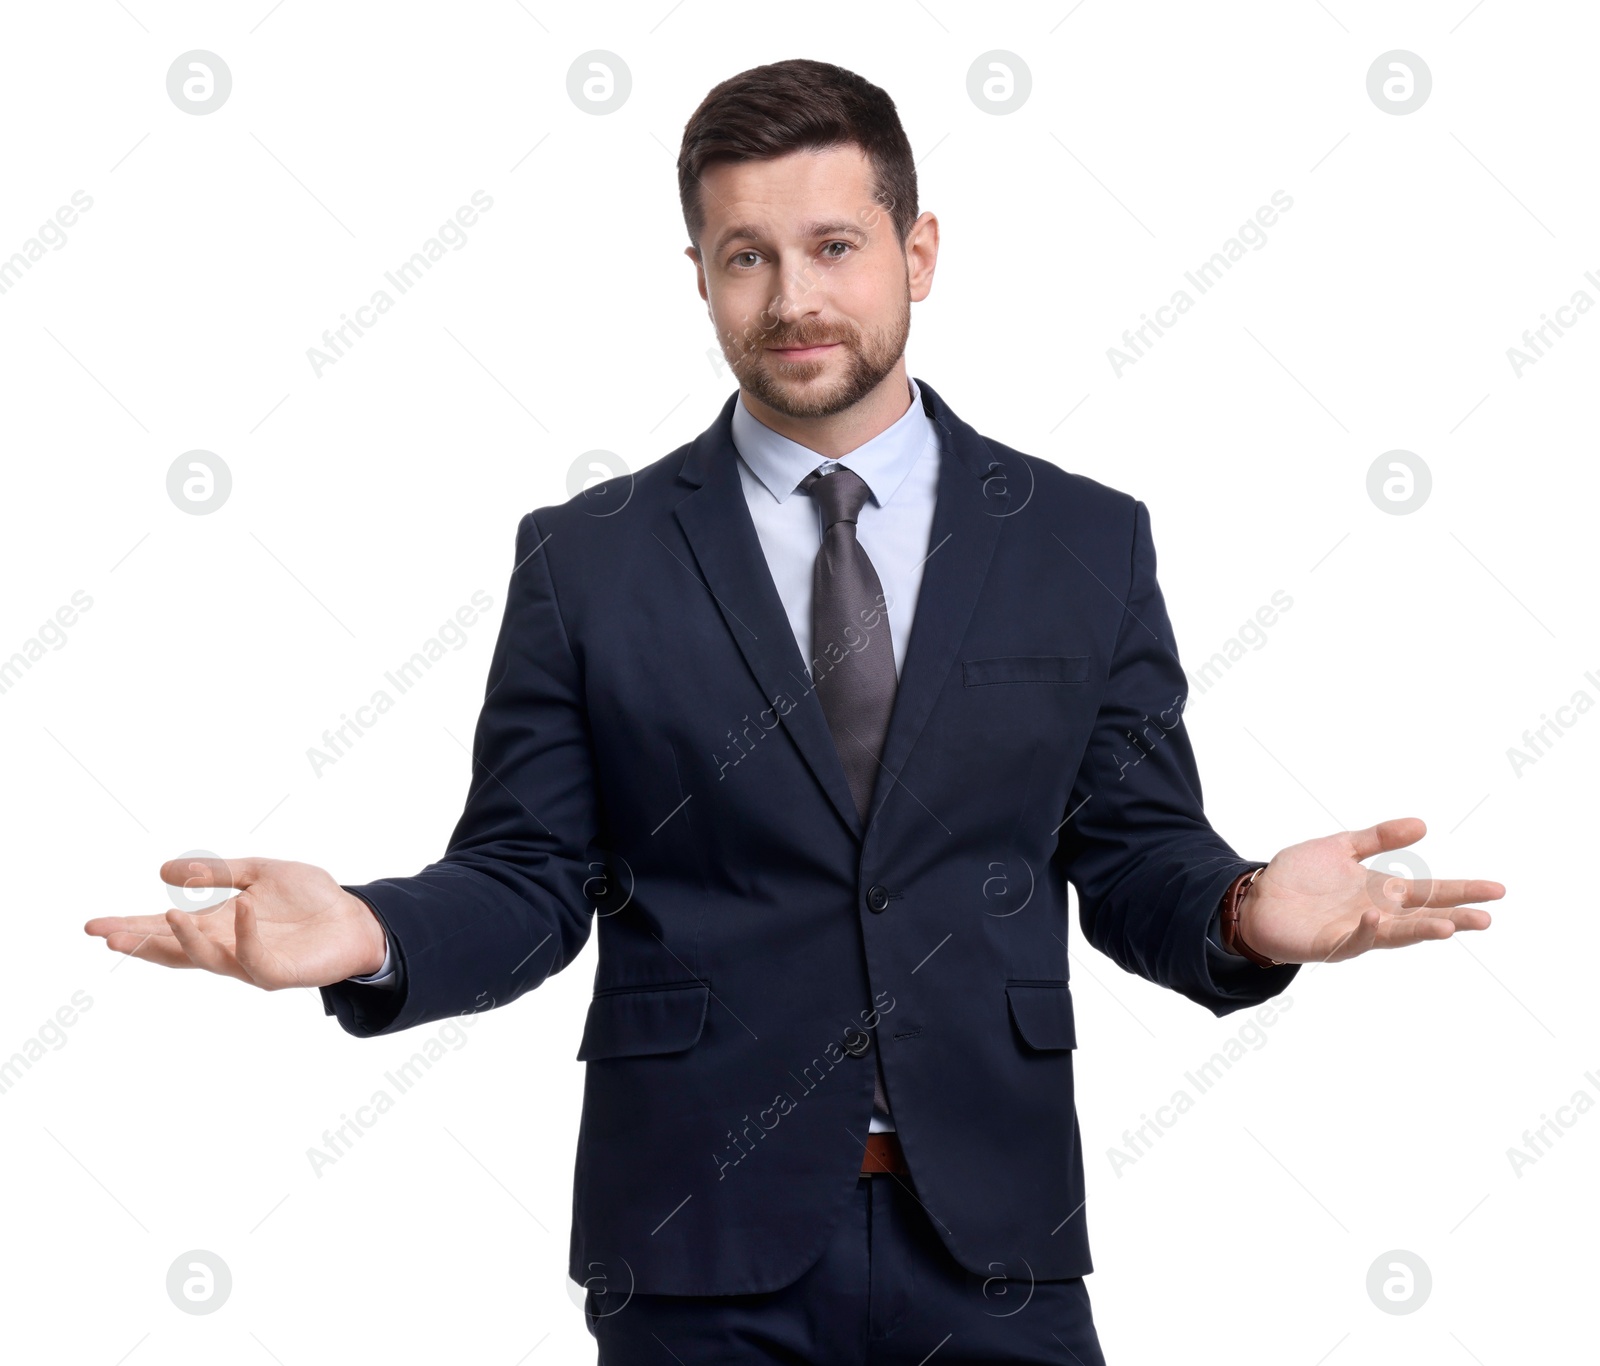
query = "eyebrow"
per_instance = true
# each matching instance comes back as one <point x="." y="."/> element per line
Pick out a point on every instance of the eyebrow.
<point x="834" y="227"/>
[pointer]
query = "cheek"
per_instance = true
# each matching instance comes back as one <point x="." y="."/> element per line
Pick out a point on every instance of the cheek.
<point x="871" y="300"/>
<point x="738" y="310"/>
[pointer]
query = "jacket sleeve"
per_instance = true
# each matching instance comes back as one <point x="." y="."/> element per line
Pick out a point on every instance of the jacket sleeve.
<point x="1148" y="868"/>
<point x="510" y="901"/>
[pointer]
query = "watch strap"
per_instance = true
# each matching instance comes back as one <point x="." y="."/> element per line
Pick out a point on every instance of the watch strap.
<point x="1231" y="901"/>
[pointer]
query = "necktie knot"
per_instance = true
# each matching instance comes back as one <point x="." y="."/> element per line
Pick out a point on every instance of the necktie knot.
<point x="840" y="494"/>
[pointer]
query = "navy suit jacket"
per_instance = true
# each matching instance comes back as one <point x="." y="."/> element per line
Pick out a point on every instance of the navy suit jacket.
<point x="652" y="763"/>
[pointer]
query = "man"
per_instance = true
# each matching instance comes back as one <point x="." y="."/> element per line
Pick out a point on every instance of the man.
<point x="816" y="717"/>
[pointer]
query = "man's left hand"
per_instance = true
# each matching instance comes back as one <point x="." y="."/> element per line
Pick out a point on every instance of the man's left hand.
<point x="1317" y="903"/>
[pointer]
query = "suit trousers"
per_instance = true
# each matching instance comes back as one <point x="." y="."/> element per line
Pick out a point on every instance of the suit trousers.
<point x="885" y="1292"/>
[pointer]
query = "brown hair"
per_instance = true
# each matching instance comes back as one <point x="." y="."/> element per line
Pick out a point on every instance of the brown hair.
<point x="791" y="106"/>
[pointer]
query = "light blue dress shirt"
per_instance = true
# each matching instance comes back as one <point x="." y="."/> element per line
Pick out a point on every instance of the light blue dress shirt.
<point x="900" y="467"/>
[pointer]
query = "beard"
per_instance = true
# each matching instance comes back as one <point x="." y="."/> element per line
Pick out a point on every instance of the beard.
<point x="790" y="387"/>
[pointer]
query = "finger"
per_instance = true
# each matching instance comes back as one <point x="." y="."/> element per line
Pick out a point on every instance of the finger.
<point x="1397" y="932"/>
<point x="139" y="925"/>
<point x="1462" y="917"/>
<point x="1449" y="892"/>
<point x="211" y="872"/>
<point x="1387" y="891"/>
<point x="1470" y="917"/>
<point x="153" y="948"/>
<point x="145" y="924"/>
<point x="201" y="950"/>
<point x="1386" y="835"/>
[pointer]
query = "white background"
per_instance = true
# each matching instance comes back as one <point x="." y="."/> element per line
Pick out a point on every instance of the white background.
<point x="369" y="503"/>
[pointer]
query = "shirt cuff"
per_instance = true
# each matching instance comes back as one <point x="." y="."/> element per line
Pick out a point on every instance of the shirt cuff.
<point x="384" y="976"/>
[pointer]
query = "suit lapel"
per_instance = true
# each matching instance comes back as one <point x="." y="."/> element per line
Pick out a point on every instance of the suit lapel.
<point x="971" y="502"/>
<point x="716" y="520"/>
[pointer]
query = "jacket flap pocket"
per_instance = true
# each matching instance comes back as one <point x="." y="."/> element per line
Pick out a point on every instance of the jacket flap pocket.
<point x="1043" y="1013"/>
<point x="625" y="1024"/>
<point x="1025" y="669"/>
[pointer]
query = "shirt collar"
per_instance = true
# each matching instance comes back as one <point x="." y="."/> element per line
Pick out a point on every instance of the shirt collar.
<point x="882" y="462"/>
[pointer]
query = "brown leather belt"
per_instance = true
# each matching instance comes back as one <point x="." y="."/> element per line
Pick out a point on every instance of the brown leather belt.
<point x="883" y="1154"/>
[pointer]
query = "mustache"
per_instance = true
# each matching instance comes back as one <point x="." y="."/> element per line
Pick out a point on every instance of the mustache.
<point x="795" y="339"/>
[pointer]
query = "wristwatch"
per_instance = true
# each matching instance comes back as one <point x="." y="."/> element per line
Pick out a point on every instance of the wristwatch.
<point x="1230" y="921"/>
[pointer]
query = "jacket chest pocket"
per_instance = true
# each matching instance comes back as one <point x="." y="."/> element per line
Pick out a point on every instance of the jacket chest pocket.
<point x="630" y="1023"/>
<point x="1025" y="669"/>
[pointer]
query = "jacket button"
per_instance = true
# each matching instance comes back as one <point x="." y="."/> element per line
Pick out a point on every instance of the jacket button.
<point x="857" y="1044"/>
<point x="877" y="898"/>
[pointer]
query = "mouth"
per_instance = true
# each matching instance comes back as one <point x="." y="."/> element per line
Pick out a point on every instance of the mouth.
<point x="800" y="353"/>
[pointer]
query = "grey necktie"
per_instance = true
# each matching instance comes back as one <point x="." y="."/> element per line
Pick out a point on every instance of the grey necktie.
<point x="852" y="662"/>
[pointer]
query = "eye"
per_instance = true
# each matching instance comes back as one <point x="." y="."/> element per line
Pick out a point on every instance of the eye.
<point x="848" y="246"/>
<point x="738" y="254"/>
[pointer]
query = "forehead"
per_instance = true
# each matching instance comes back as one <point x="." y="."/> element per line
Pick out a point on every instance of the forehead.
<point x="778" y="192"/>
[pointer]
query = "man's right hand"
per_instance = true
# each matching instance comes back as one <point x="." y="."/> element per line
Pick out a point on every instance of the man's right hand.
<point x="291" y="925"/>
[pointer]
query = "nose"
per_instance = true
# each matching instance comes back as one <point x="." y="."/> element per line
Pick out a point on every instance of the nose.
<point x="799" y="296"/>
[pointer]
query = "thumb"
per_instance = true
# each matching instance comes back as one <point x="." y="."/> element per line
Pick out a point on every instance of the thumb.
<point x="247" y="945"/>
<point x="1387" y="835"/>
<point x="1359" y="940"/>
<point x="198" y="871"/>
<point x="267" y="969"/>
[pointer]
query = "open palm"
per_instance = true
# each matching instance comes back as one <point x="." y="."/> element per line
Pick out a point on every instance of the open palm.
<point x="1317" y="902"/>
<point x="291" y="925"/>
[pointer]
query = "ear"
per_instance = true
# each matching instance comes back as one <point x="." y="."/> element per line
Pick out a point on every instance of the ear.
<point x="693" y="253"/>
<point x="922" y="255"/>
